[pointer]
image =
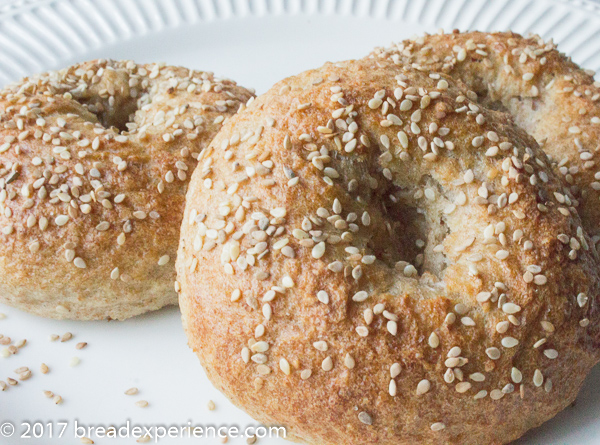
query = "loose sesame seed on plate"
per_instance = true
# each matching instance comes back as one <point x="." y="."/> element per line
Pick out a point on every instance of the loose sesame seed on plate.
<point x="131" y="391"/>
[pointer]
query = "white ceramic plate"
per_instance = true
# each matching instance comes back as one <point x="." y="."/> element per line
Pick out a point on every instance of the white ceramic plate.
<point x="256" y="42"/>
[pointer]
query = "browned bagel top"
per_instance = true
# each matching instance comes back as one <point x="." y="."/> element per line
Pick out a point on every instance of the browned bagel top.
<point x="548" y="95"/>
<point x="376" y="258"/>
<point x="94" y="165"/>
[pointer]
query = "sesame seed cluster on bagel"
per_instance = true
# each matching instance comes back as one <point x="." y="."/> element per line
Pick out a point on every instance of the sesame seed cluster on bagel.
<point x="94" y="164"/>
<point x="552" y="98"/>
<point x="371" y="255"/>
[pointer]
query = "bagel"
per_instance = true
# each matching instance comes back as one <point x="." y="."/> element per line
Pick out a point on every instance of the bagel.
<point x="94" y="164"/>
<point x="380" y="260"/>
<point x="548" y="95"/>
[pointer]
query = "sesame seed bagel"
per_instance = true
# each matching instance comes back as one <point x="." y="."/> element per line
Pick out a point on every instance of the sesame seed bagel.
<point x="548" y="95"/>
<point x="94" y="165"/>
<point x="359" y="268"/>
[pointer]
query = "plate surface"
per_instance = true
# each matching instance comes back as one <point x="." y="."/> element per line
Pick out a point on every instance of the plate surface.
<point x="256" y="43"/>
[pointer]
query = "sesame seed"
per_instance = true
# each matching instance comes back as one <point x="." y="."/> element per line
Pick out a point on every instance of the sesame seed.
<point x="362" y="331"/>
<point x="260" y="346"/>
<point x="61" y="220"/>
<point x="349" y="361"/>
<point x="423" y="387"/>
<point x="284" y="365"/>
<point x="434" y="340"/>
<point x="392" y="327"/>
<point x="360" y="296"/>
<point x="482" y="297"/>
<point x="287" y="282"/>
<point x="551" y="353"/>
<point x="267" y="311"/>
<point x="511" y="308"/>
<point x="467" y="321"/>
<point x="463" y="387"/>
<point x="454" y="352"/>
<point x="374" y="103"/>
<point x="25" y="375"/>
<point x="527" y="77"/>
<point x="509" y="342"/>
<point x="131" y="391"/>
<point x="477" y="377"/>
<point x="547" y="326"/>
<point x="480" y="395"/>
<point x="502" y="254"/>
<point x="305" y="374"/>
<point x="406" y="105"/>
<point x="323" y="297"/>
<point x="493" y="353"/>
<point x="496" y="394"/>
<point x="318" y="250"/>
<point x="393" y="388"/>
<point x="502" y="327"/>
<point x="320" y="345"/>
<point x="80" y="263"/>
<point x="365" y="418"/>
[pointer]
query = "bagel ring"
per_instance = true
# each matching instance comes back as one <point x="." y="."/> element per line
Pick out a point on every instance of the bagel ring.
<point x="94" y="164"/>
<point x="548" y="95"/>
<point x="380" y="260"/>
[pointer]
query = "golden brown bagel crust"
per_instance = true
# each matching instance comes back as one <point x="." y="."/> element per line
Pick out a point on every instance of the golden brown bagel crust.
<point x="91" y="214"/>
<point x="298" y="262"/>
<point x="548" y="95"/>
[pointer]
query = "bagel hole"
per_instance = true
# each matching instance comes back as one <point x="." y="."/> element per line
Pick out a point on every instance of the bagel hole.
<point x="495" y="105"/>
<point x="118" y="115"/>
<point x="414" y="232"/>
